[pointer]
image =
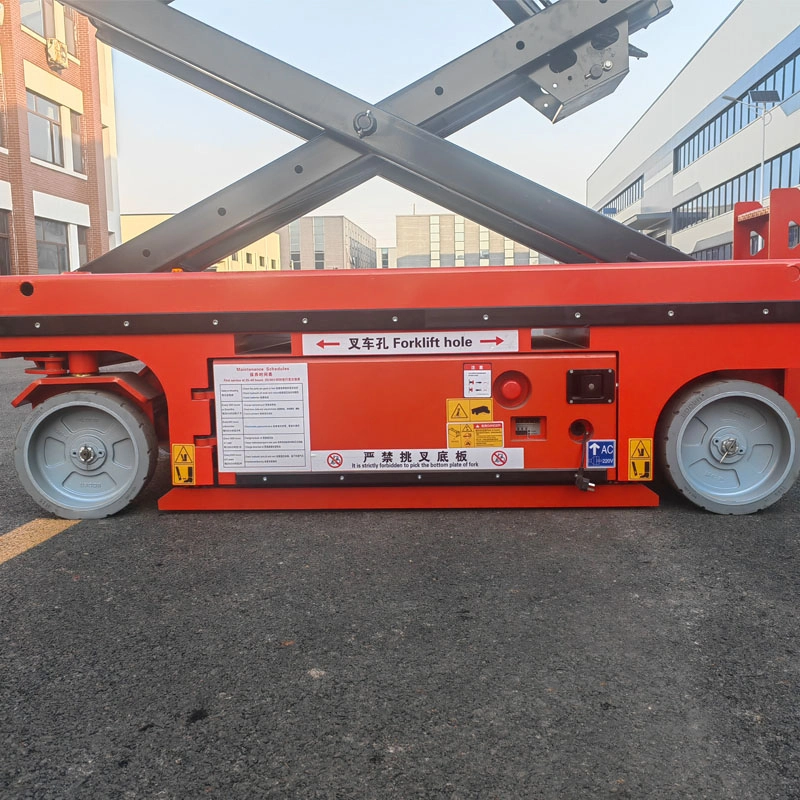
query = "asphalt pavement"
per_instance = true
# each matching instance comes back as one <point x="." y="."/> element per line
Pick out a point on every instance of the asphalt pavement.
<point x="642" y="653"/>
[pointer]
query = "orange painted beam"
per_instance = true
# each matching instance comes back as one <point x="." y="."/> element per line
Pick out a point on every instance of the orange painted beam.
<point x="397" y="497"/>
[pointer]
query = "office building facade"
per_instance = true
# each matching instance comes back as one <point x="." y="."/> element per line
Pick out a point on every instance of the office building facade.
<point x="450" y="240"/>
<point x="699" y="148"/>
<point x="58" y="175"/>
<point x="326" y="243"/>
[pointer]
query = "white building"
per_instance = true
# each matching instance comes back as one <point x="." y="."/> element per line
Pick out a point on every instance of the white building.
<point x="678" y="172"/>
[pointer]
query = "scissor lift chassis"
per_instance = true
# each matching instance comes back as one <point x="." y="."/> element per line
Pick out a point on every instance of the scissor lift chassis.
<point x="655" y="330"/>
<point x="457" y="387"/>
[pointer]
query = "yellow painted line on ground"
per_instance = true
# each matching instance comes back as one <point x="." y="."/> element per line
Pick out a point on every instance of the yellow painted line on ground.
<point x="29" y="535"/>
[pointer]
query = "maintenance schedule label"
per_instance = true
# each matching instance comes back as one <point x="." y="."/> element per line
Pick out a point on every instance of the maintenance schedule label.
<point x="262" y="417"/>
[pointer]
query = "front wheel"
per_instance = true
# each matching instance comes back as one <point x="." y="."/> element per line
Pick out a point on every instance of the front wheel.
<point x="85" y="454"/>
<point x="730" y="446"/>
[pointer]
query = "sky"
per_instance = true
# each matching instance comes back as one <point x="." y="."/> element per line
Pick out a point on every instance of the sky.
<point x="178" y="145"/>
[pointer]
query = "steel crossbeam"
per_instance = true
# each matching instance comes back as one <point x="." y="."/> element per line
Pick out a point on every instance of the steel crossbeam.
<point x="352" y="140"/>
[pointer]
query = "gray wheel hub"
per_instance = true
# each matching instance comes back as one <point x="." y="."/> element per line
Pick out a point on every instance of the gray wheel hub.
<point x="87" y="453"/>
<point x="728" y="445"/>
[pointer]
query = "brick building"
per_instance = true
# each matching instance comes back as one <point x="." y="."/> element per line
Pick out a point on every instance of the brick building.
<point x="58" y="185"/>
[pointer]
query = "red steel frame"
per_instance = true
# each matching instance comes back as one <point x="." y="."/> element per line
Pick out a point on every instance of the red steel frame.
<point x="398" y="401"/>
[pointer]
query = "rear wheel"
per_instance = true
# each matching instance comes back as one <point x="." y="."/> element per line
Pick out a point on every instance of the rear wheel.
<point x="730" y="446"/>
<point x="85" y="455"/>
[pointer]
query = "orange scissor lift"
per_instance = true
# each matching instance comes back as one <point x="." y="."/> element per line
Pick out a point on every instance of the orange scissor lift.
<point x="574" y="384"/>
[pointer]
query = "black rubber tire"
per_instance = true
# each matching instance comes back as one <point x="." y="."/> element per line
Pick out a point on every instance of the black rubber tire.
<point x="117" y="434"/>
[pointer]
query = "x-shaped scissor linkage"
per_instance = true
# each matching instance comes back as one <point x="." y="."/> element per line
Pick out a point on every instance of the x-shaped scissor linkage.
<point x="399" y="138"/>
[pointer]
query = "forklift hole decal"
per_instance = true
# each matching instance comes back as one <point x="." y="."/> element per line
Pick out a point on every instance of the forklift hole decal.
<point x="262" y="417"/>
<point x="432" y="460"/>
<point x="183" y="465"/>
<point x="410" y="344"/>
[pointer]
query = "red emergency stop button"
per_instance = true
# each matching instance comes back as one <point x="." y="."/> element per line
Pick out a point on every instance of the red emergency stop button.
<point x="511" y="390"/>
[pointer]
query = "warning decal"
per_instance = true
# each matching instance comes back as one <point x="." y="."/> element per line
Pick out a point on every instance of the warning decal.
<point x="183" y="473"/>
<point x="640" y="459"/>
<point x="469" y="410"/>
<point x="477" y="380"/>
<point x="432" y="460"/>
<point x="475" y="434"/>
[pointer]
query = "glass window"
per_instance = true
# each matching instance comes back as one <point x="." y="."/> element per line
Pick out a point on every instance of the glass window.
<point x="83" y="245"/>
<point x="234" y="256"/>
<point x="70" y="32"/>
<point x="786" y="159"/>
<point x="776" y="182"/>
<point x="5" y="250"/>
<point x="794" y="178"/>
<point x="44" y="130"/>
<point x="39" y="16"/>
<point x="51" y="247"/>
<point x="767" y="177"/>
<point x="777" y="80"/>
<point x="77" y="146"/>
<point x="248" y="257"/>
<point x="261" y="261"/>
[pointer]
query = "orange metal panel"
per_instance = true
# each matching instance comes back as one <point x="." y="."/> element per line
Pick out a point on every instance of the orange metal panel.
<point x="402" y="403"/>
<point x="396" y="497"/>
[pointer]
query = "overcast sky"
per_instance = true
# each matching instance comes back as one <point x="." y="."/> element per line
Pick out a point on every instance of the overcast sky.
<point x="177" y="145"/>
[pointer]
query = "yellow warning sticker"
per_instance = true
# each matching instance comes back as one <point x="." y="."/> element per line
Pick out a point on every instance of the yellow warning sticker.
<point x="470" y="410"/>
<point x="640" y="459"/>
<point x="183" y="473"/>
<point x="475" y="434"/>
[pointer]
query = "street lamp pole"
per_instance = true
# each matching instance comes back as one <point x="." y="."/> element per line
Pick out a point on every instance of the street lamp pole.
<point x="759" y="99"/>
